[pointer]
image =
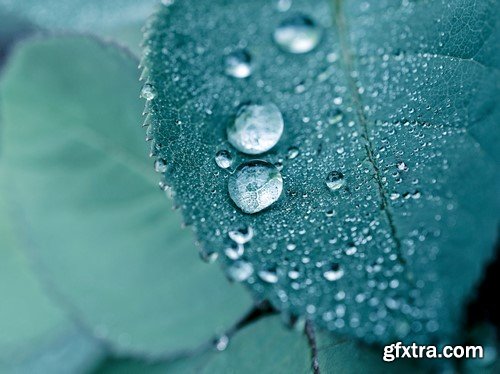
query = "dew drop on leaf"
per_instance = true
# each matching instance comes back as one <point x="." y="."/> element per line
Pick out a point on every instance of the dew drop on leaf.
<point x="240" y="271"/>
<point x="234" y="251"/>
<point x="293" y="152"/>
<point x="335" y="180"/>
<point x="160" y="166"/>
<point x="268" y="275"/>
<point x="148" y="92"/>
<point x="224" y="159"/>
<point x="256" y="128"/>
<point x="255" y="185"/>
<point x="241" y="235"/>
<point x="221" y="343"/>
<point x="334" y="273"/>
<point x="298" y="34"/>
<point x="238" y="64"/>
<point x="209" y="256"/>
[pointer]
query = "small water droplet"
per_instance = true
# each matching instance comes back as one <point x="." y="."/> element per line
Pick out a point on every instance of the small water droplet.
<point x="234" y="251"/>
<point x="238" y="64"/>
<point x="352" y="249"/>
<point x="224" y="159"/>
<point x="268" y="275"/>
<point x="148" y="92"/>
<point x="402" y="166"/>
<point x="335" y="117"/>
<point x="240" y="271"/>
<point x="293" y="152"/>
<point x="283" y="5"/>
<point x="255" y="185"/>
<point x="160" y="166"/>
<point x="221" y="343"/>
<point x="293" y="274"/>
<point x="297" y="34"/>
<point x="256" y="128"/>
<point x="334" y="273"/>
<point x="241" y="235"/>
<point x="209" y="256"/>
<point x="335" y="180"/>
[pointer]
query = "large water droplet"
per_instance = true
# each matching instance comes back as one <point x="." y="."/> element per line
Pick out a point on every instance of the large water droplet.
<point x="256" y="129"/>
<point x="223" y="159"/>
<point x="335" y="180"/>
<point x="238" y="64"/>
<point x="298" y="34"/>
<point x="240" y="271"/>
<point x="255" y="185"/>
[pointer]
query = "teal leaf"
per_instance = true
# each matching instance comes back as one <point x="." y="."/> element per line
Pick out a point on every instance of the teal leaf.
<point x="118" y="20"/>
<point x="36" y="335"/>
<point x="98" y="229"/>
<point x="266" y="346"/>
<point x="389" y="204"/>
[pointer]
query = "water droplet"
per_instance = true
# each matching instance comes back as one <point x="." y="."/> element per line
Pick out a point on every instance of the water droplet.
<point x="297" y="34"/>
<point x="268" y="276"/>
<point x="335" y="273"/>
<point x="402" y="166"/>
<point x="160" y="166"/>
<point x="283" y="5"/>
<point x="241" y="235"/>
<point x="224" y="159"/>
<point x="352" y="249"/>
<point x="335" y="180"/>
<point x="335" y="117"/>
<point x="238" y="64"/>
<point x="293" y="152"/>
<point x="256" y="129"/>
<point x="255" y="185"/>
<point x="234" y="251"/>
<point x="293" y="274"/>
<point x="209" y="256"/>
<point x="221" y="343"/>
<point x="240" y="271"/>
<point x="148" y="92"/>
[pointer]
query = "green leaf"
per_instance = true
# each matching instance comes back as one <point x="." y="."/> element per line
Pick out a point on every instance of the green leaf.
<point x="266" y="346"/>
<point x="397" y="97"/>
<point x="120" y="20"/>
<point x="263" y="347"/>
<point x="77" y="174"/>
<point x="81" y="15"/>
<point x="36" y="335"/>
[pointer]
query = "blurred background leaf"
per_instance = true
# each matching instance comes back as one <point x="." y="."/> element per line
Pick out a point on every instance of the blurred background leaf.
<point x="36" y="336"/>
<point x="86" y="206"/>
<point x="117" y="20"/>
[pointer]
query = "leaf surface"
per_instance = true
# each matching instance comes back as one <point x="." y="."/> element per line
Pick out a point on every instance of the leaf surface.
<point x="397" y="97"/>
<point x="266" y="346"/>
<point x="36" y="335"/>
<point x="99" y="230"/>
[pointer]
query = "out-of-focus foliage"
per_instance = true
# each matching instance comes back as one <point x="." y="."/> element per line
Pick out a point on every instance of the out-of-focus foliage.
<point x="79" y="180"/>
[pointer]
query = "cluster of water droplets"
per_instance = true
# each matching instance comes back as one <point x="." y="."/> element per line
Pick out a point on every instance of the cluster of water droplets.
<point x="255" y="169"/>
